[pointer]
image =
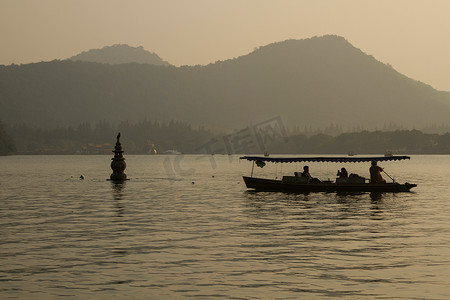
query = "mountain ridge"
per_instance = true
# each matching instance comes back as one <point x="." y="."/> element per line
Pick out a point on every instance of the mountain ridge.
<point x="316" y="82"/>
<point x="120" y="54"/>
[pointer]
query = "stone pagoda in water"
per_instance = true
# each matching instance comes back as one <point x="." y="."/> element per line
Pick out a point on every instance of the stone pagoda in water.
<point x="118" y="164"/>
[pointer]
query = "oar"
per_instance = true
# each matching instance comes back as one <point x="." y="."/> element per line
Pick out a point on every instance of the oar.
<point x="393" y="180"/>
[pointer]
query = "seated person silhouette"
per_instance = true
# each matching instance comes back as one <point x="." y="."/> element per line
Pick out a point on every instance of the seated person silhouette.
<point x="342" y="173"/>
<point x="306" y="174"/>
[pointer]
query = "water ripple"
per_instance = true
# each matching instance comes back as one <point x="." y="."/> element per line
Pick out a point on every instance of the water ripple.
<point x="205" y="236"/>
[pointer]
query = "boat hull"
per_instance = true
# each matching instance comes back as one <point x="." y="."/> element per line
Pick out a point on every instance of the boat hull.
<point x="274" y="185"/>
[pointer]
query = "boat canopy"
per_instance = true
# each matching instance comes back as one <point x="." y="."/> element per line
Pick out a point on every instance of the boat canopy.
<point x="323" y="159"/>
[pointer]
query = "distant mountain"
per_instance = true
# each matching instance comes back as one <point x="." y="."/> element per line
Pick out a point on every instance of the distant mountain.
<point x="311" y="82"/>
<point x="120" y="54"/>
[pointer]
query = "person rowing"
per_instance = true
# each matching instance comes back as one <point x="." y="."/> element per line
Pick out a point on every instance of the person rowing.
<point x="375" y="173"/>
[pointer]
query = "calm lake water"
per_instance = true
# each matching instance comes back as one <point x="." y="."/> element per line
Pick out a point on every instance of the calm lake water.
<point x="186" y="227"/>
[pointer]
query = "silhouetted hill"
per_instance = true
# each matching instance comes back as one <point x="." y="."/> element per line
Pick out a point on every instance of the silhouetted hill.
<point x="120" y="54"/>
<point x="316" y="81"/>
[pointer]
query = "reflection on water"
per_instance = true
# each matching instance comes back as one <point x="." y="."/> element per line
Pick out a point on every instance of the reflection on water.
<point x="376" y="196"/>
<point x="159" y="234"/>
<point x="118" y="194"/>
<point x="118" y="189"/>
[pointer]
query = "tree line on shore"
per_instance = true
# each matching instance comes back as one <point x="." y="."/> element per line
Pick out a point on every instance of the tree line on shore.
<point x="366" y="142"/>
<point x="149" y="137"/>
<point x="139" y="138"/>
<point x="7" y="145"/>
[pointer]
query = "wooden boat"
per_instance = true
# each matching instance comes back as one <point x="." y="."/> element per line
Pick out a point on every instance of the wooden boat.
<point x="303" y="184"/>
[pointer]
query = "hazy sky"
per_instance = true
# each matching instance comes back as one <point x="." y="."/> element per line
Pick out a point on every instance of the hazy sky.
<point x="411" y="35"/>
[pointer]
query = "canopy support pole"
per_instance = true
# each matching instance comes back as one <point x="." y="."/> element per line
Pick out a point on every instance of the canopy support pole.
<point x="253" y="165"/>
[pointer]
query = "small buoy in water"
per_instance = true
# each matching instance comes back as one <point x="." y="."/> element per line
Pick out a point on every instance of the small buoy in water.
<point x="81" y="177"/>
<point x="212" y="176"/>
<point x="193" y="182"/>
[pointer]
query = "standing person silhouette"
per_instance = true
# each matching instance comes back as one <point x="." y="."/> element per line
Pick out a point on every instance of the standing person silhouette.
<point x="375" y="173"/>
